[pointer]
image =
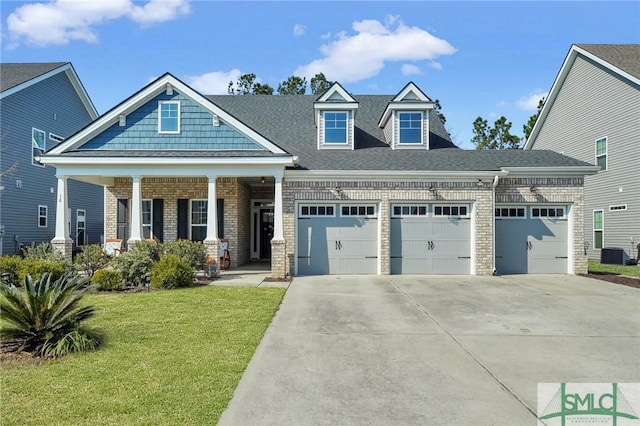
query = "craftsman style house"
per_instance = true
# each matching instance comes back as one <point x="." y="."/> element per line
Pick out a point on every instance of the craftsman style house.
<point x="335" y="184"/>
<point x="41" y="105"/>
<point x="593" y="114"/>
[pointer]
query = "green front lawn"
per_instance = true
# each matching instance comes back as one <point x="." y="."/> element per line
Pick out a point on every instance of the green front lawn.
<point x="596" y="267"/>
<point x="171" y="357"/>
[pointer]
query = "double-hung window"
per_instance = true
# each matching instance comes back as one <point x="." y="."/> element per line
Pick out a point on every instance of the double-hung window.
<point x="598" y="228"/>
<point x="147" y="219"/>
<point x="169" y="117"/>
<point x="335" y="127"/>
<point x="198" y="220"/>
<point x="410" y="124"/>
<point x="81" y="227"/>
<point x="601" y="153"/>
<point x="42" y="216"/>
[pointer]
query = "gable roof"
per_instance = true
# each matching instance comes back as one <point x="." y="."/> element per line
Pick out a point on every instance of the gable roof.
<point x="18" y="76"/>
<point x="621" y="59"/>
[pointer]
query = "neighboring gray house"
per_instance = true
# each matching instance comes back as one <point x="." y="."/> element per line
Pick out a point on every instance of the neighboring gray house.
<point x="41" y="104"/>
<point x="330" y="184"/>
<point x="593" y="114"/>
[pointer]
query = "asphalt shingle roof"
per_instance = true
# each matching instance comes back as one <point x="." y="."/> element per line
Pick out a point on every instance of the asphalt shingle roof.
<point x="288" y="121"/>
<point x="623" y="56"/>
<point x="14" y="74"/>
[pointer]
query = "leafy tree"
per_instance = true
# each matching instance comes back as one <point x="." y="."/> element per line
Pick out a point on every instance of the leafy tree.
<point x="496" y="137"/>
<point x="247" y="85"/>
<point x="320" y="84"/>
<point x="45" y="318"/>
<point x="294" y="85"/>
<point x="528" y="127"/>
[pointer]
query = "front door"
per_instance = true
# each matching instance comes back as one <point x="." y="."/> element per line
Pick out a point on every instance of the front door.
<point x="266" y="232"/>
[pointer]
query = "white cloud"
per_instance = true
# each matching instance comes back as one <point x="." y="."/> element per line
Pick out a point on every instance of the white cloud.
<point x="435" y="65"/>
<point x="355" y="57"/>
<point x="299" y="30"/>
<point x="530" y="102"/>
<point x="213" y="83"/>
<point x="326" y="36"/>
<point x="61" y="21"/>
<point x="409" y="69"/>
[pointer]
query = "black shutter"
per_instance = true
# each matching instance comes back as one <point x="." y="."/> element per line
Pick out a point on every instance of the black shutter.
<point x="220" y="213"/>
<point x="183" y="219"/>
<point x="123" y="218"/>
<point x="158" y="219"/>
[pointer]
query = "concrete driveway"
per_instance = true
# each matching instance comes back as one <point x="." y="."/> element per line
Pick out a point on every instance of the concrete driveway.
<point x="434" y="350"/>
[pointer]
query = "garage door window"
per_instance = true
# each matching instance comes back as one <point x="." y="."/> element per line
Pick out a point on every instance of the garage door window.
<point x="548" y="212"/>
<point x="360" y="210"/>
<point x="510" y="212"/>
<point x="409" y="210"/>
<point x="317" y="210"/>
<point x="450" y="211"/>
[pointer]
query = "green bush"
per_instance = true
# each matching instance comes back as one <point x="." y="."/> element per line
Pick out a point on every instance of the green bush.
<point x="153" y="249"/>
<point x="45" y="251"/>
<point x="91" y="259"/>
<point x="107" y="279"/>
<point x="36" y="268"/>
<point x="44" y="318"/>
<point x="171" y="271"/>
<point x="10" y="269"/>
<point x="135" y="267"/>
<point x="194" y="252"/>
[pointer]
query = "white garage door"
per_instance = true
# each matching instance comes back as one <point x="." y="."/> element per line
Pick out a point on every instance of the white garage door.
<point x="531" y="239"/>
<point x="337" y="239"/>
<point x="430" y="239"/>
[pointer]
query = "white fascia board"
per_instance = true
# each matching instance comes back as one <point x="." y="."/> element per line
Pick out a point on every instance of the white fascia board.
<point x="411" y="87"/>
<point x="388" y="175"/>
<point x="155" y="161"/>
<point x="335" y="105"/>
<point x="145" y="95"/>
<point x="404" y="106"/>
<point x="565" y="171"/>
<point x="105" y="174"/>
<point x="336" y="87"/>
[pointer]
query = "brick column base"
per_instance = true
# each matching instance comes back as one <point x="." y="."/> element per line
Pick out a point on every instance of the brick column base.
<point x="278" y="259"/>
<point x="64" y="247"/>
<point x="213" y="250"/>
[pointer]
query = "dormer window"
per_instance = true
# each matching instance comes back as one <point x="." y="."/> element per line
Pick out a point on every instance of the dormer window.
<point x="169" y="117"/>
<point x="410" y="124"/>
<point x="335" y="127"/>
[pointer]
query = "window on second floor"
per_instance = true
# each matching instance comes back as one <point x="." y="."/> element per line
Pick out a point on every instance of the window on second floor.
<point x="410" y="124"/>
<point x="335" y="127"/>
<point x="38" y="141"/>
<point x="601" y="153"/>
<point x="42" y="216"/>
<point x="169" y="117"/>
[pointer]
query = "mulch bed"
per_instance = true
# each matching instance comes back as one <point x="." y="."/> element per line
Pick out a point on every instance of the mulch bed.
<point x="616" y="279"/>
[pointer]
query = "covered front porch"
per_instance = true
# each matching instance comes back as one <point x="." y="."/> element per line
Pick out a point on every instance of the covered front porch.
<point x="242" y="208"/>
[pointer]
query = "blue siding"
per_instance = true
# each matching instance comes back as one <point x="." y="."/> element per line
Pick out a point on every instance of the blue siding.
<point x="196" y="131"/>
<point x="52" y="106"/>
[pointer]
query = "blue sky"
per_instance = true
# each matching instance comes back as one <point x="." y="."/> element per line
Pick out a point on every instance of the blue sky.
<point x="478" y="58"/>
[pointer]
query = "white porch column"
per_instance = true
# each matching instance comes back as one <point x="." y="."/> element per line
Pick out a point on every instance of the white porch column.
<point x="278" y="231"/>
<point x="212" y="211"/>
<point x="62" y="211"/>
<point x="136" y="211"/>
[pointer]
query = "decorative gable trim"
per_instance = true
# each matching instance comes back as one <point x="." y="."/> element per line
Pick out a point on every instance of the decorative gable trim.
<point x="411" y="92"/>
<point x="73" y="79"/>
<point x="409" y="98"/>
<point x="162" y="84"/>
<point x="336" y="93"/>
<point x="336" y="100"/>
<point x="559" y="81"/>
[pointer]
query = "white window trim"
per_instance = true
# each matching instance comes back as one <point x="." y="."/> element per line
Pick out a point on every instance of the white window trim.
<point x="499" y="206"/>
<point x="44" y="148"/>
<point x="301" y="206"/>
<point x="374" y="215"/>
<point x="618" y="208"/>
<point x="148" y="225"/>
<point x="606" y="152"/>
<point x="46" y="216"/>
<point x="191" y="224"/>
<point x="168" y="132"/>
<point x="78" y="227"/>
<point x="410" y="144"/>
<point x="593" y="227"/>
<point x="433" y="210"/>
<point x="322" y="132"/>
<point x="410" y="205"/>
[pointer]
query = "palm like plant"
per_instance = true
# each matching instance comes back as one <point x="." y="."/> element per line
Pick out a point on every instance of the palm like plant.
<point x="45" y="318"/>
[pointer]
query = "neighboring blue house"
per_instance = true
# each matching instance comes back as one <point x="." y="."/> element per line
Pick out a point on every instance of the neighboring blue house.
<point x="41" y="104"/>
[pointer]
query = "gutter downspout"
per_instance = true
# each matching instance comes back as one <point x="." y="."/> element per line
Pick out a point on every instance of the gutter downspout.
<point x="493" y="210"/>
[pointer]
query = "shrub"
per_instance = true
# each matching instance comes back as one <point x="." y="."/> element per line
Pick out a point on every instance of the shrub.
<point x="10" y="269"/>
<point x="45" y="251"/>
<point x="36" y="268"/>
<point x="171" y="271"/>
<point x="153" y="249"/>
<point x="44" y="318"/>
<point x="194" y="252"/>
<point x="107" y="279"/>
<point x="135" y="267"/>
<point x="90" y="259"/>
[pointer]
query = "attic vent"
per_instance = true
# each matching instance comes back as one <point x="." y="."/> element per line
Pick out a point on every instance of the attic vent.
<point x="55" y="137"/>
<point x="617" y="208"/>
